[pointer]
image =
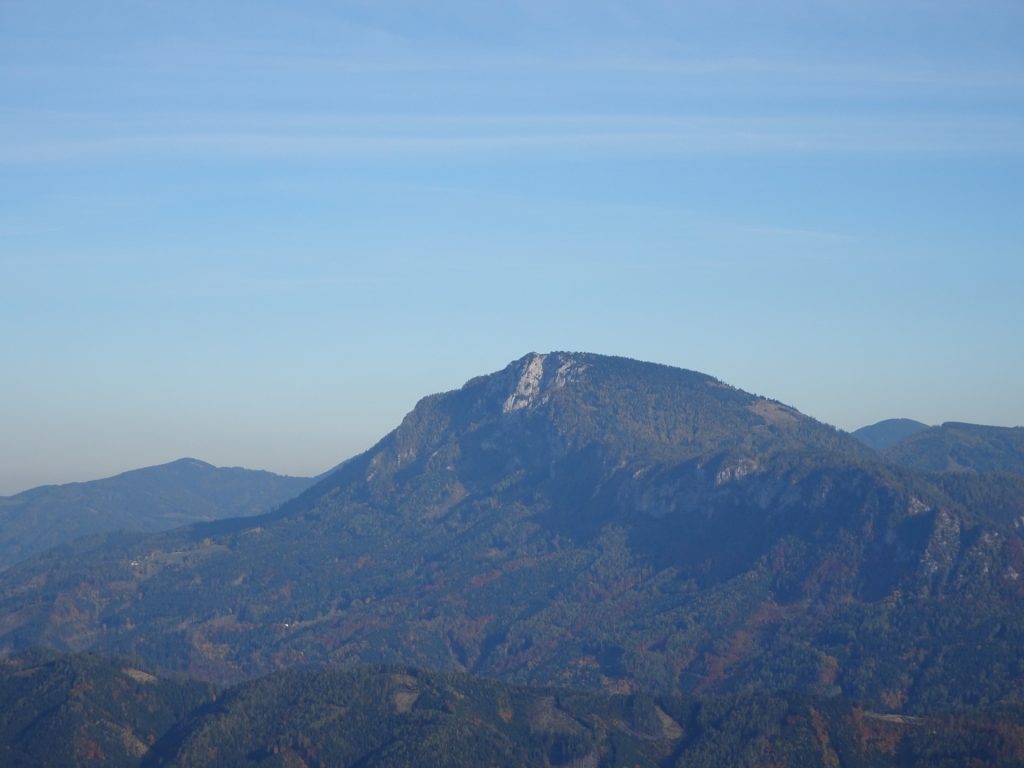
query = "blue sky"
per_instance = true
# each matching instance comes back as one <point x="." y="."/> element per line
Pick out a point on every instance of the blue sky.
<point x="256" y="233"/>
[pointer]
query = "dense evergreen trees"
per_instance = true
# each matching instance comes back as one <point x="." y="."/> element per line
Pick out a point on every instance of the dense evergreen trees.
<point x="82" y="710"/>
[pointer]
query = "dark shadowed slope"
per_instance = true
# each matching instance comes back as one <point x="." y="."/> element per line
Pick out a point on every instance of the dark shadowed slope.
<point x="887" y="433"/>
<point x="957" y="447"/>
<point x="149" y="499"/>
<point x="580" y="520"/>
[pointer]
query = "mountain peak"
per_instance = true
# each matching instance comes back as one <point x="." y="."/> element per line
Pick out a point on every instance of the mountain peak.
<point x="545" y="407"/>
<point x="539" y="375"/>
<point x="886" y="433"/>
<point x="188" y="462"/>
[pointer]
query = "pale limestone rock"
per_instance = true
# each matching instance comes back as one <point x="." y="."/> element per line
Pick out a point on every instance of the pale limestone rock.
<point x="528" y="386"/>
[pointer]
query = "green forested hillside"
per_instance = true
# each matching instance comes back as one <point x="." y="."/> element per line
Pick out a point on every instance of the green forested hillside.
<point x="58" y="710"/>
<point x="85" y="710"/>
<point x="401" y="718"/>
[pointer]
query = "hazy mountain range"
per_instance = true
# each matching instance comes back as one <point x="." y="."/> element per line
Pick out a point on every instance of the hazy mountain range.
<point x="887" y="433"/>
<point x="604" y="524"/>
<point x="149" y="499"/>
<point x="950" y="447"/>
<point x="955" y="447"/>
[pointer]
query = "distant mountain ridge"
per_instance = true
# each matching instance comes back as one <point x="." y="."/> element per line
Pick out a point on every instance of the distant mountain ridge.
<point x="148" y="499"/>
<point x="955" y="447"/>
<point x="885" y="434"/>
<point x="959" y="447"/>
<point x="581" y="520"/>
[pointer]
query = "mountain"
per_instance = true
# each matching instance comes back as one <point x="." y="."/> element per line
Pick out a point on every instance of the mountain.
<point x="149" y="499"/>
<point x="956" y="447"/>
<point x="83" y="710"/>
<point x="59" y="710"/>
<point x="586" y="521"/>
<point x="887" y="433"/>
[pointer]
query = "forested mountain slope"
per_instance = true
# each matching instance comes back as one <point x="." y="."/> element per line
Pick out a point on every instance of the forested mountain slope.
<point x="86" y="710"/>
<point x="403" y="718"/>
<point x="587" y="521"/>
<point x="59" y="710"/>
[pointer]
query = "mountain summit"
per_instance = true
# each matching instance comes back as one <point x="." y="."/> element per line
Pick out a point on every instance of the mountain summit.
<point x="586" y="437"/>
<point x="544" y="409"/>
<point x="633" y="409"/>
<point x="886" y="433"/>
<point x="583" y="520"/>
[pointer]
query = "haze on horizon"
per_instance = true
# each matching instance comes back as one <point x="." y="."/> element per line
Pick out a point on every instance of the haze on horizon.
<point x="258" y="238"/>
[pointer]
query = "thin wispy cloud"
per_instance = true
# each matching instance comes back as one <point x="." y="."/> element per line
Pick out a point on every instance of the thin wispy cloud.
<point x="227" y="284"/>
<point x="796" y="233"/>
<point x="810" y="73"/>
<point x="429" y="135"/>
